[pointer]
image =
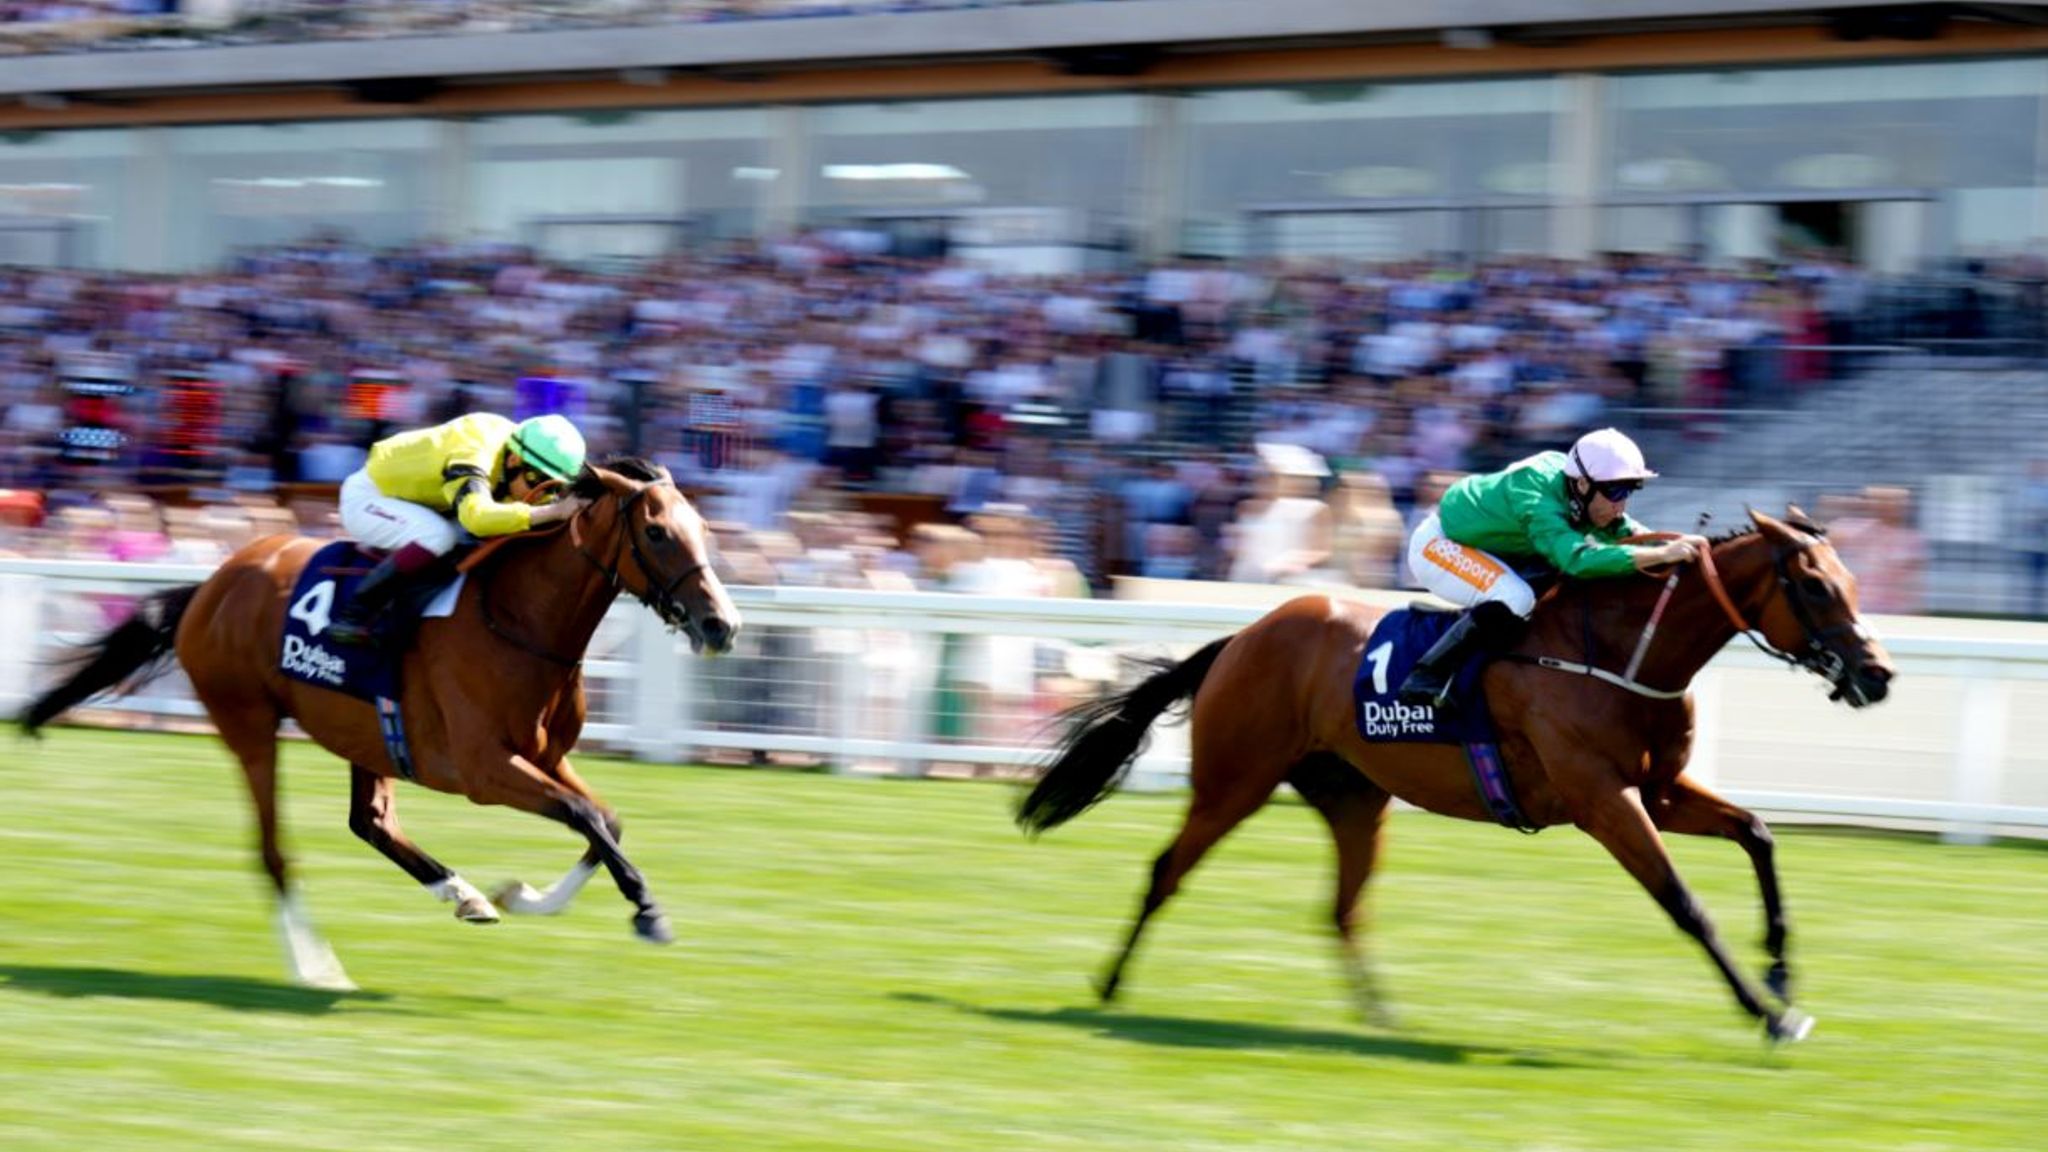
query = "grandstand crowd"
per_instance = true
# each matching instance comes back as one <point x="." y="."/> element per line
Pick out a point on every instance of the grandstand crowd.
<point x="853" y="418"/>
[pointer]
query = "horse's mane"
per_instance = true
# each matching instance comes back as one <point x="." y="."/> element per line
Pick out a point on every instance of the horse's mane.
<point x="639" y="468"/>
<point x="1798" y="520"/>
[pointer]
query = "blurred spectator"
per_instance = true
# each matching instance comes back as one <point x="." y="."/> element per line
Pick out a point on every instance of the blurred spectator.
<point x="1879" y="543"/>
<point x="1285" y="530"/>
<point x="1368" y="535"/>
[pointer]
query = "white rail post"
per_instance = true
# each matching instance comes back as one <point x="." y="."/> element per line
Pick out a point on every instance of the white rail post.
<point x="1982" y="703"/>
<point x="21" y="608"/>
<point x="848" y="686"/>
<point x="660" y="696"/>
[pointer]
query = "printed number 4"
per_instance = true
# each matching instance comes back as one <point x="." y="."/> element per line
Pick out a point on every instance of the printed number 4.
<point x="1380" y="657"/>
<point x="315" y="606"/>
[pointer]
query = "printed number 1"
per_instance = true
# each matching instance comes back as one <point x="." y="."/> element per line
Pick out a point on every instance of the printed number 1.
<point x="1380" y="657"/>
<point x="314" y="607"/>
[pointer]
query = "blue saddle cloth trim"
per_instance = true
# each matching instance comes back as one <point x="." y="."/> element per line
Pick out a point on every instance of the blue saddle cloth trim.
<point x="309" y="654"/>
<point x="1382" y="719"/>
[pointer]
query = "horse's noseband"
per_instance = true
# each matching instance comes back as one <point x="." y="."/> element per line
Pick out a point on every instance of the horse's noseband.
<point x="1818" y="655"/>
<point x="659" y="597"/>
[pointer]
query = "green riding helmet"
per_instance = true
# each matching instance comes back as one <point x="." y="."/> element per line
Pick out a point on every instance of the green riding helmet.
<point x="551" y="444"/>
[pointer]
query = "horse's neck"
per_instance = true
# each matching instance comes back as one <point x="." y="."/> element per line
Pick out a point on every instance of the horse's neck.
<point x="1696" y="627"/>
<point x="550" y="594"/>
<point x="1609" y="617"/>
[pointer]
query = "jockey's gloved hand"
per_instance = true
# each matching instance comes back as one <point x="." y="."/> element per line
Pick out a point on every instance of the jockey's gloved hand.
<point x="1679" y="551"/>
<point x="558" y="511"/>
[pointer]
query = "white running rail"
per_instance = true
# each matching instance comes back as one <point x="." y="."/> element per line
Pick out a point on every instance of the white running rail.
<point x="903" y="682"/>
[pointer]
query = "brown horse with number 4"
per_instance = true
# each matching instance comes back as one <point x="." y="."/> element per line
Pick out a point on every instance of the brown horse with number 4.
<point x="1581" y="743"/>
<point x="492" y="696"/>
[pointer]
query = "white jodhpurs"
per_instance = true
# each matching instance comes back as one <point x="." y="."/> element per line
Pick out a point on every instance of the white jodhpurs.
<point x="1465" y="575"/>
<point x="388" y="523"/>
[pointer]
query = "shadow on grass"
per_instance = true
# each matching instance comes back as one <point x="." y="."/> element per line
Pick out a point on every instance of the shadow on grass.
<point x="239" y="993"/>
<point x="1188" y="1032"/>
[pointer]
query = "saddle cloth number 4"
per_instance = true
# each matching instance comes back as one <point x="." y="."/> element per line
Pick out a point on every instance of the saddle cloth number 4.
<point x="315" y="608"/>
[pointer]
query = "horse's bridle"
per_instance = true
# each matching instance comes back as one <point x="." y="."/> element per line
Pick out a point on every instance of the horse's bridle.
<point x="1817" y="655"/>
<point x="662" y="599"/>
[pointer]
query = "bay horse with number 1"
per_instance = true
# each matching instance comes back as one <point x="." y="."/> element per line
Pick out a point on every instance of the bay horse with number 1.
<point x="1582" y="743"/>
<point x="492" y="696"/>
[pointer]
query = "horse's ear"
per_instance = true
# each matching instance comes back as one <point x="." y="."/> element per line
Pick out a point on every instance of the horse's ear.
<point x="612" y="481"/>
<point x="1797" y="518"/>
<point x="1765" y="522"/>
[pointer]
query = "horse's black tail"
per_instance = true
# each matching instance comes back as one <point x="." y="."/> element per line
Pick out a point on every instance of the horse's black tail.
<point x="1103" y="737"/>
<point x="125" y="657"/>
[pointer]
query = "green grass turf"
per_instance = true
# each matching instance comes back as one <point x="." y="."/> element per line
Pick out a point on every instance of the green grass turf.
<point x="877" y="964"/>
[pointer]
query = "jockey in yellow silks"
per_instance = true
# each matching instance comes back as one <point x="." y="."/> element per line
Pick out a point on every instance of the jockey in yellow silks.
<point x="481" y="471"/>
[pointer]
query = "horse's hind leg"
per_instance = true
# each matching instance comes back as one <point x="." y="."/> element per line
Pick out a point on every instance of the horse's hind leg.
<point x="1685" y="807"/>
<point x="373" y="816"/>
<point x="1225" y="793"/>
<point x="1618" y="819"/>
<point x="249" y="729"/>
<point x="1355" y="809"/>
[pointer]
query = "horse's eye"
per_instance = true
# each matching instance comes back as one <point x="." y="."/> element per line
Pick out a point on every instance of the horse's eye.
<point x="1815" y="588"/>
<point x="656" y="533"/>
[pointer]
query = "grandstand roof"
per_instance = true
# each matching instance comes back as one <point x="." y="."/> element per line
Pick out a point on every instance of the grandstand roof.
<point x="995" y="31"/>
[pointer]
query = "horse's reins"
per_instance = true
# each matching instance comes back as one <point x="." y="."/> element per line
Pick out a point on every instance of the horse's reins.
<point x="1819" y="658"/>
<point x="661" y="599"/>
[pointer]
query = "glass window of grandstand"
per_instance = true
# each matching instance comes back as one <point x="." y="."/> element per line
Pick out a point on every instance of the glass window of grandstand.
<point x="62" y="197"/>
<point x="1371" y="171"/>
<point x="1888" y="165"/>
<point x="250" y="185"/>
<point x="611" y="186"/>
<point x="1030" y="185"/>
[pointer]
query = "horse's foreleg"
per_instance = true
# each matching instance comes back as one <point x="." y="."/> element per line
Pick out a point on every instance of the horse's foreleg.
<point x="526" y="900"/>
<point x="1355" y="809"/>
<point x="555" y="899"/>
<point x="516" y="782"/>
<point x="1687" y="808"/>
<point x="1619" y="822"/>
<point x="373" y="817"/>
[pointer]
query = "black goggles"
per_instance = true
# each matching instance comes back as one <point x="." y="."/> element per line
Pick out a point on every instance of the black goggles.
<point x="1618" y="491"/>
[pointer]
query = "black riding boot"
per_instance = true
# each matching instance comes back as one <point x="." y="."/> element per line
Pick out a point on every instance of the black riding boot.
<point x="1487" y="627"/>
<point x="355" y="624"/>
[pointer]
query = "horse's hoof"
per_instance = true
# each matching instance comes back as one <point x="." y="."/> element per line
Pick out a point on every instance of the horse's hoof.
<point x="654" y="929"/>
<point x="332" y="981"/>
<point x="476" y="910"/>
<point x="1790" y="1026"/>
<point x="1778" y="979"/>
<point x="1106" y="990"/>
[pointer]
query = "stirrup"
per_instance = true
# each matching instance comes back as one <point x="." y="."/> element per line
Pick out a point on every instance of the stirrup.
<point x="1424" y="695"/>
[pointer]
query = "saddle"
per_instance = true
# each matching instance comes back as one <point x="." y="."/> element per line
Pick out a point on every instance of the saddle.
<point x="1398" y="641"/>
